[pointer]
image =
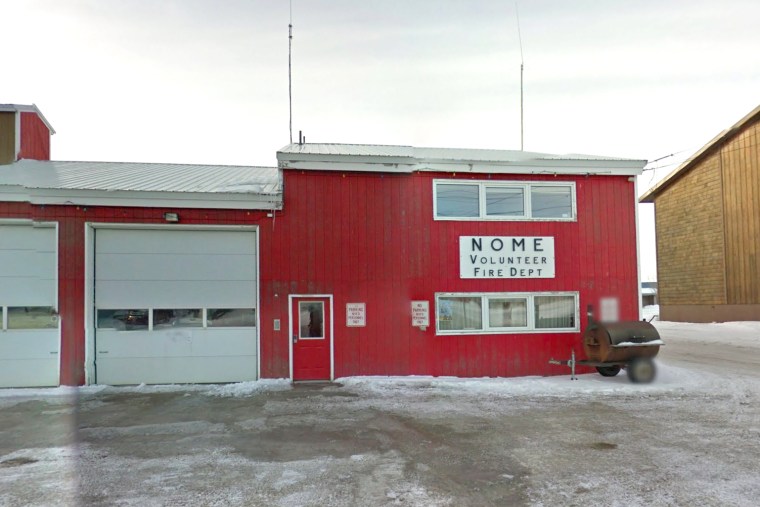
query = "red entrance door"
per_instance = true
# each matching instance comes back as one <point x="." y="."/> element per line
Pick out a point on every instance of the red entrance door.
<point x="310" y="325"/>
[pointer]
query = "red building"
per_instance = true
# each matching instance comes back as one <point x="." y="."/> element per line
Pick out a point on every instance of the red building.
<point x="345" y="260"/>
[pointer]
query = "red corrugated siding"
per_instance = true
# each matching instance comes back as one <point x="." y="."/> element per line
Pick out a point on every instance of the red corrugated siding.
<point x="35" y="138"/>
<point x="367" y="237"/>
<point x="372" y="238"/>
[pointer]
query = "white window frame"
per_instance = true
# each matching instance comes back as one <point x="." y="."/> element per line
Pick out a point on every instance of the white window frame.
<point x="486" y="329"/>
<point x="525" y="186"/>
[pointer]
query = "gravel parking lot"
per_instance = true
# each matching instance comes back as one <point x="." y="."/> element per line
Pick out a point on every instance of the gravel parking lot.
<point x="690" y="438"/>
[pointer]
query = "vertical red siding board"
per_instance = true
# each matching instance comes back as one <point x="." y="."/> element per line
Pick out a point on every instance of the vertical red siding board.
<point x="34" y="138"/>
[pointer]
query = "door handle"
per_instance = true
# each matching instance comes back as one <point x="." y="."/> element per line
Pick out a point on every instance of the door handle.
<point x="295" y="338"/>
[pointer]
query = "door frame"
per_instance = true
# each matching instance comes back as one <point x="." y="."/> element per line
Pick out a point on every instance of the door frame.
<point x="329" y="297"/>
<point x="90" y="370"/>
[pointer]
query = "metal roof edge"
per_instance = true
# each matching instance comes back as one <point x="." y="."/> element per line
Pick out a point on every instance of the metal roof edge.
<point x="531" y="169"/>
<point x="675" y="174"/>
<point x="151" y="199"/>
<point x="420" y="162"/>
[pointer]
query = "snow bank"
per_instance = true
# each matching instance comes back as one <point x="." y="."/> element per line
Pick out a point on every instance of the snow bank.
<point x="738" y="334"/>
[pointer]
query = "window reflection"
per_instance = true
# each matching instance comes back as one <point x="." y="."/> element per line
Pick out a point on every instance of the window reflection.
<point x="555" y="312"/>
<point x="505" y="312"/>
<point x="231" y="317"/>
<point x="123" y="320"/>
<point x="457" y="200"/>
<point x="32" y="317"/>
<point x="460" y="313"/>
<point x="505" y="202"/>
<point x="177" y="318"/>
<point x="551" y="202"/>
<point x="311" y="318"/>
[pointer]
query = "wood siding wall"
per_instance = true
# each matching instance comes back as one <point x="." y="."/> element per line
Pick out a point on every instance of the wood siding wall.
<point x="740" y="161"/>
<point x="708" y="228"/>
<point x="7" y="137"/>
<point x="689" y="221"/>
<point x="371" y="238"/>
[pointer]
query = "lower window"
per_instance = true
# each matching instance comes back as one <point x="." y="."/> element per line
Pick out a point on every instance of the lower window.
<point x="506" y="312"/>
<point x="30" y="317"/>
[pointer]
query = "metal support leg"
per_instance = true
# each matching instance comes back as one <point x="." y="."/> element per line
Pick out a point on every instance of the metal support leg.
<point x="572" y="366"/>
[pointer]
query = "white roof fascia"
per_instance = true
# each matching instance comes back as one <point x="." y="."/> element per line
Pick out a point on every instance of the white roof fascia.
<point x="571" y="168"/>
<point x="13" y="193"/>
<point x="387" y="165"/>
<point x="348" y="165"/>
<point x="132" y="199"/>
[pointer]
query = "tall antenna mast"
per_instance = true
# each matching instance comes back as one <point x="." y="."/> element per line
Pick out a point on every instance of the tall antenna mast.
<point x="522" y="67"/>
<point x="290" y="78"/>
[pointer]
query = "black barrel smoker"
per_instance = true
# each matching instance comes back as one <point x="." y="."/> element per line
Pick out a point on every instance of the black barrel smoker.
<point x="609" y="347"/>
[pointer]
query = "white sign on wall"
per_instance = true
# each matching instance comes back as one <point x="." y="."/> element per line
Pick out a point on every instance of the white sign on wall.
<point x="356" y="315"/>
<point x="420" y="313"/>
<point x="506" y="257"/>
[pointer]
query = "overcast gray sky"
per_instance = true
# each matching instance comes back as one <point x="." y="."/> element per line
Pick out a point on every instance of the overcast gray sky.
<point x="203" y="81"/>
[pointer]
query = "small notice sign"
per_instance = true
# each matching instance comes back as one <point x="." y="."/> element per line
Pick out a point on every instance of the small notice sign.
<point x="420" y="313"/>
<point x="356" y="314"/>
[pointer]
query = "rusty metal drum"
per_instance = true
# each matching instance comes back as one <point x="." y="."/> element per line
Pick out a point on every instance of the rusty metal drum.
<point x="621" y="342"/>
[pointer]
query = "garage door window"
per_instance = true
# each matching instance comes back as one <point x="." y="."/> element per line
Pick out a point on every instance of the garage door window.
<point x="177" y="318"/>
<point x="231" y="317"/>
<point x="123" y="320"/>
<point x="32" y="317"/>
<point x="139" y="320"/>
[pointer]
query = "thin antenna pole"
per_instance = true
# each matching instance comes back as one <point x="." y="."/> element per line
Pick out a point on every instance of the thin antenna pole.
<point x="290" y="78"/>
<point x="522" y="68"/>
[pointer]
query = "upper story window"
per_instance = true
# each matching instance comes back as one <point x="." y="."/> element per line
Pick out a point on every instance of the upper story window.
<point x="487" y="200"/>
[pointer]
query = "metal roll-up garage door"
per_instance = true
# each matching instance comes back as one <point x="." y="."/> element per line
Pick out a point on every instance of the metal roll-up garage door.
<point x="175" y="306"/>
<point x="30" y="330"/>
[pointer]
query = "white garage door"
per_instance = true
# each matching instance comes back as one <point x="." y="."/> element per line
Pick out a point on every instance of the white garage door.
<point x="175" y="306"/>
<point x="29" y="334"/>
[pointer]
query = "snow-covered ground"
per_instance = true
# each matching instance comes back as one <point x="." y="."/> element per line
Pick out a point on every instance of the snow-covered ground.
<point x="690" y="438"/>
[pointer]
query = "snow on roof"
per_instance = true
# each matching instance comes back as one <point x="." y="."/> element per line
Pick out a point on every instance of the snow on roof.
<point x="679" y="171"/>
<point x="45" y="178"/>
<point x="367" y="157"/>
<point x="24" y="108"/>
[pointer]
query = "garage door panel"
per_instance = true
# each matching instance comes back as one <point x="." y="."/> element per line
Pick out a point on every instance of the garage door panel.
<point x="206" y="370"/>
<point x="29" y="344"/>
<point x="29" y="356"/>
<point x="18" y="291"/>
<point x="177" y="342"/>
<point x="174" y="242"/>
<point x="172" y="270"/>
<point x="27" y="265"/>
<point x="27" y="237"/>
<point x="177" y="266"/>
<point x="29" y="372"/>
<point x="180" y="294"/>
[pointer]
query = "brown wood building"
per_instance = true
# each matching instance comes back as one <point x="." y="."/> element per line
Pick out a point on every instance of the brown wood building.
<point x="707" y="214"/>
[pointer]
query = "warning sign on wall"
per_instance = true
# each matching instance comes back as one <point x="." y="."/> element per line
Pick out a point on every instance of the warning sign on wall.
<point x="356" y="314"/>
<point x="420" y="313"/>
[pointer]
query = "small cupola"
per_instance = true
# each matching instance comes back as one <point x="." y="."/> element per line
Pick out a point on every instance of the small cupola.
<point x="24" y="133"/>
